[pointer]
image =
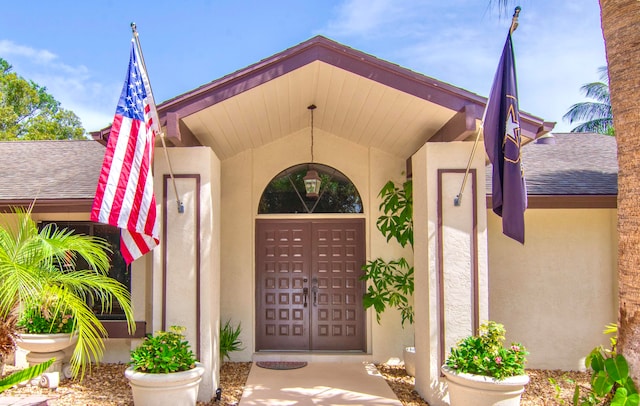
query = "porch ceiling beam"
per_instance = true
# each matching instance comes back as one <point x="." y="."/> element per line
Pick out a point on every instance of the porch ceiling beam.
<point x="460" y="127"/>
<point x="178" y="133"/>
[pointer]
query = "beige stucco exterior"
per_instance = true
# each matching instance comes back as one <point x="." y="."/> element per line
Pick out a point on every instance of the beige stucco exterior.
<point x="188" y="292"/>
<point x="556" y="293"/>
<point x="450" y="252"/>
<point x="244" y="178"/>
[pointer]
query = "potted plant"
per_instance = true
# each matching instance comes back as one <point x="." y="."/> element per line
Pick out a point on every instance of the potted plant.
<point x="38" y="270"/>
<point x="391" y="283"/>
<point x="164" y="370"/>
<point x="481" y="371"/>
<point x="46" y="331"/>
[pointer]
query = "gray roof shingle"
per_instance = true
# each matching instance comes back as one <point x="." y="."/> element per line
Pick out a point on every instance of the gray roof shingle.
<point x="49" y="169"/>
<point x="576" y="164"/>
<point x="570" y="164"/>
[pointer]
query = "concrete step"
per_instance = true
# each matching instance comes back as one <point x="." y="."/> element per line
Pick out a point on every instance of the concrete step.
<point x="296" y="356"/>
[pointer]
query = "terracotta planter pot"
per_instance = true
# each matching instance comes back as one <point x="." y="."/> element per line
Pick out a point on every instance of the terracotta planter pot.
<point x="175" y="388"/>
<point x="477" y="390"/>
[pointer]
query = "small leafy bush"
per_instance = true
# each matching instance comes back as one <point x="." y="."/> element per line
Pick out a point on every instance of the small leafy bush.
<point x="164" y="352"/>
<point x="610" y="380"/>
<point x="229" y="339"/>
<point x="43" y="320"/>
<point x="485" y="354"/>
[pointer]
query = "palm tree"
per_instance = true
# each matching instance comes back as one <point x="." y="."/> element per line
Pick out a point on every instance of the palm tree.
<point x="595" y="115"/>
<point x="37" y="266"/>
<point x="620" y="20"/>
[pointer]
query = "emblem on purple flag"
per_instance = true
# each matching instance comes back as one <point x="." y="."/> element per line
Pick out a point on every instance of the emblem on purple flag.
<point x="502" y="143"/>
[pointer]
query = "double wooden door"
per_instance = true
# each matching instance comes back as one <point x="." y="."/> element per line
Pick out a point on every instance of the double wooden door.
<point x="308" y="287"/>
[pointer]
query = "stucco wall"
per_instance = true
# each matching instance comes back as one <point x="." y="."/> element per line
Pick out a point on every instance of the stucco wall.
<point x="189" y="252"/>
<point x="244" y="178"/>
<point x="556" y="293"/>
<point x="446" y="239"/>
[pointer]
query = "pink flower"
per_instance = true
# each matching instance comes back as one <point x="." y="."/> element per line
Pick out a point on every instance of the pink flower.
<point x="498" y="360"/>
<point x="515" y="348"/>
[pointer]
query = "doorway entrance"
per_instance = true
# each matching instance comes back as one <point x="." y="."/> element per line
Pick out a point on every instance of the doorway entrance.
<point x="308" y="287"/>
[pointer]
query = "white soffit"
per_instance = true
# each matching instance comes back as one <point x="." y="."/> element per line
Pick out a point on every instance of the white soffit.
<point x="348" y="105"/>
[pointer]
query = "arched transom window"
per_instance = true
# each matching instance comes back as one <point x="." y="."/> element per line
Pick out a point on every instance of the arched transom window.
<point x="286" y="192"/>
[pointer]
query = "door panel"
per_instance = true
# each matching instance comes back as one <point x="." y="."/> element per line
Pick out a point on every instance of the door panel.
<point x="282" y="273"/>
<point x="308" y="287"/>
<point x="337" y="257"/>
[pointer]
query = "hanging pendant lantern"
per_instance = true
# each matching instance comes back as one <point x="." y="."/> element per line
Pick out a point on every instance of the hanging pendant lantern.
<point x="312" y="181"/>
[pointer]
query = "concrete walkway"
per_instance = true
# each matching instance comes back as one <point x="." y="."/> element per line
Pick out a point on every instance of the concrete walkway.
<point x="318" y="383"/>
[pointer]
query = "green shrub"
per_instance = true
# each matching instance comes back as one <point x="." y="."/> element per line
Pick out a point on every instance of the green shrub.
<point x="485" y="354"/>
<point x="164" y="352"/>
<point x="37" y="320"/>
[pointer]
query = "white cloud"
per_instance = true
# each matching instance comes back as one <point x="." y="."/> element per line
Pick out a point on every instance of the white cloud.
<point x="362" y="17"/>
<point x="72" y="85"/>
<point x="10" y="48"/>
<point x="558" y="45"/>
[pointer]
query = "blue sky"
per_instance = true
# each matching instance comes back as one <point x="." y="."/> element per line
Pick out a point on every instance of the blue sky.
<point x="80" y="50"/>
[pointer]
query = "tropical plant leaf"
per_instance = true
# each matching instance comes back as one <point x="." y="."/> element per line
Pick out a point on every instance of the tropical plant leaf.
<point x="24" y="375"/>
<point x="601" y="383"/>
<point x="617" y="368"/>
<point x="595" y="360"/>
<point x="622" y="398"/>
<point x="40" y="264"/>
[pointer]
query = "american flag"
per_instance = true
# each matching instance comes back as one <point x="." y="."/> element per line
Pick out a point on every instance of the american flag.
<point x="124" y="196"/>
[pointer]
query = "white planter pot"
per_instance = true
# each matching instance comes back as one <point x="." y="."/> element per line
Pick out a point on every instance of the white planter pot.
<point x="46" y="342"/>
<point x="477" y="390"/>
<point x="409" y="356"/>
<point x="43" y="347"/>
<point x="175" y="388"/>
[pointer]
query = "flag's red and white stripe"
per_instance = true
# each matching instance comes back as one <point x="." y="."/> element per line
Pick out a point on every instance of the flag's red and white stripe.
<point x="124" y="196"/>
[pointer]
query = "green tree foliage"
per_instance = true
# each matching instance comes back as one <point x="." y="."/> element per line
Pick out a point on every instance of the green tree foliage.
<point x="595" y="116"/>
<point x="28" y="112"/>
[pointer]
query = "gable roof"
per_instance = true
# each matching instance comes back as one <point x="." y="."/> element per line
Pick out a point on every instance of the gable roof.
<point x="64" y="173"/>
<point x="359" y="97"/>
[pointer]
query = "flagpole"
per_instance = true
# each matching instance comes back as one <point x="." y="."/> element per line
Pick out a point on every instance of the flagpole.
<point x="153" y="103"/>
<point x="458" y="199"/>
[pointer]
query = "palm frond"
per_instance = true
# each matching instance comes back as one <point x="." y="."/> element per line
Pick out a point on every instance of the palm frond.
<point x="40" y="265"/>
<point x="593" y="116"/>
<point x="24" y="375"/>
<point x="598" y="91"/>
<point x="587" y="111"/>
<point x="599" y="126"/>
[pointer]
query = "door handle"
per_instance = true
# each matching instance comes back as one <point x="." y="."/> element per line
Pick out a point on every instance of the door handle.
<point x="314" y="289"/>
<point x="305" y="292"/>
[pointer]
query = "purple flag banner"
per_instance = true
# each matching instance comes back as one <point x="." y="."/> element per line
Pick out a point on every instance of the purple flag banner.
<point x="502" y="141"/>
